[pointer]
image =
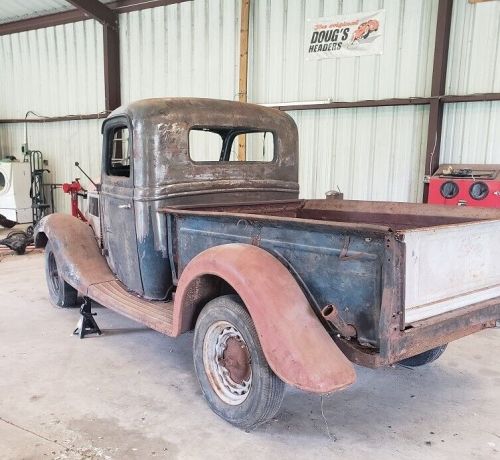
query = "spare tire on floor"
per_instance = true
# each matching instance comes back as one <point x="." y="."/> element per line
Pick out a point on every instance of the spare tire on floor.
<point x="424" y="358"/>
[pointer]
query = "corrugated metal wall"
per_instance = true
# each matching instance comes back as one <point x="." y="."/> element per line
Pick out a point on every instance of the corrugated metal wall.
<point x="280" y="73"/>
<point x="62" y="143"/>
<point x="368" y="153"/>
<point x="54" y="71"/>
<point x="188" y="49"/>
<point x="474" y="54"/>
<point x="471" y="131"/>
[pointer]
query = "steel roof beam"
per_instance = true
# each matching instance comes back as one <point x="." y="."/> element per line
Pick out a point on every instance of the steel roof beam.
<point x="67" y="17"/>
<point x="40" y="22"/>
<point x="96" y="10"/>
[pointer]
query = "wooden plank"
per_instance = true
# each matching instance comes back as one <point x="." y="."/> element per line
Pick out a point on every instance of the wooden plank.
<point x="243" y="82"/>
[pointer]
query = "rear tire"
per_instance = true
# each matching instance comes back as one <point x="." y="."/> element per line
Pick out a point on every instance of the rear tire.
<point x="424" y="358"/>
<point x="230" y="365"/>
<point x="61" y="293"/>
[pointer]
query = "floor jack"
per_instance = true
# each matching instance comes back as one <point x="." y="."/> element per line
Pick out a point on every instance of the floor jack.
<point x="86" y="324"/>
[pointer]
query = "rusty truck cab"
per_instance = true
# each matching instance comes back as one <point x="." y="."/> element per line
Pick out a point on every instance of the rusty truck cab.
<point x="151" y="160"/>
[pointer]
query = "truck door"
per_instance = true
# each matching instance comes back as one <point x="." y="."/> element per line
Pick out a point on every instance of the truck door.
<point x="118" y="214"/>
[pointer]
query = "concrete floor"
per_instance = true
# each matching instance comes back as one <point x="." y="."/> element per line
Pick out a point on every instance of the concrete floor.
<point x="132" y="394"/>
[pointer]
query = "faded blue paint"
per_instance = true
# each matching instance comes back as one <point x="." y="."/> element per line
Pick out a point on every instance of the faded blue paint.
<point x="339" y="266"/>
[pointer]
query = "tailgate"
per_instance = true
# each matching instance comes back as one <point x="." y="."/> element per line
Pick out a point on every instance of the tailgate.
<point x="450" y="267"/>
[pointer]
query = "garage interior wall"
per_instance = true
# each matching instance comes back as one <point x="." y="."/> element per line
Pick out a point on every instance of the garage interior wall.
<point x="367" y="153"/>
<point x="192" y="49"/>
<point x="471" y="131"/>
<point x="187" y="49"/>
<point x="54" y="71"/>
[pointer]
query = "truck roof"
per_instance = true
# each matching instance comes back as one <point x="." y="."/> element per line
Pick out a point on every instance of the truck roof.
<point x="163" y="165"/>
<point x="220" y="111"/>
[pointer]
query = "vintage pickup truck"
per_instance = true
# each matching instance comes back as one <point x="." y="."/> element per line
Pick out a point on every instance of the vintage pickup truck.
<point x="277" y="289"/>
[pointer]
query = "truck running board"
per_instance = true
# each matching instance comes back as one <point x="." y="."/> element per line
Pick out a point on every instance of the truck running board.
<point x="155" y="314"/>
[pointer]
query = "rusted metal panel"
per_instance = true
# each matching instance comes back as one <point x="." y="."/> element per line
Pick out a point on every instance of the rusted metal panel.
<point x="119" y="234"/>
<point x="83" y="266"/>
<point x="393" y="215"/>
<point x="340" y="264"/>
<point x="392" y="314"/>
<point x="293" y="339"/>
<point x="115" y="296"/>
<point x="165" y="175"/>
<point x="443" y="329"/>
<point x="163" y="168"/>
<point x="77" y="253"/>
<point x="331" y="314"/>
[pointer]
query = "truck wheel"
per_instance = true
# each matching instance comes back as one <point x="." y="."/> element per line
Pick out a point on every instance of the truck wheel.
<point x="61" y="293"/>
<point x="424" y="358"/>
<point x="233" y="373"/>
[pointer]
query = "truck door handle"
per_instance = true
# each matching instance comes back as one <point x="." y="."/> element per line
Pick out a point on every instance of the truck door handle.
<point x="124" y="206"/>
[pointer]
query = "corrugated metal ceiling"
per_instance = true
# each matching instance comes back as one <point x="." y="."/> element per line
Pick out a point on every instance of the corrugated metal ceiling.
<point x="15" y="10"/>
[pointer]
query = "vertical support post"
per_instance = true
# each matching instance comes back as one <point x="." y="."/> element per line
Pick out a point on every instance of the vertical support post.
<point x="243" y="81"/>
<point x="111" y="42"/>
<point x="443" y="24"/>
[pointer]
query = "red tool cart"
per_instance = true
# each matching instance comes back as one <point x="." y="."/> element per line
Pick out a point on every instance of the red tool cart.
<point x="466" y="185"/>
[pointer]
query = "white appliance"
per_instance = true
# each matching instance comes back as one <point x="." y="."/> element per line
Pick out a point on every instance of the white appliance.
<point x="15" y="183"/>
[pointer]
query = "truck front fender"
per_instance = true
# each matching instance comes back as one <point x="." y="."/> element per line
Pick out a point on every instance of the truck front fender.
<point x="78" y="256"/>
<point x="296" y="345"/>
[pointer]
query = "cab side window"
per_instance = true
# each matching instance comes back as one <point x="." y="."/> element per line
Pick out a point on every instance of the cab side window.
<point x="118" y="152"/>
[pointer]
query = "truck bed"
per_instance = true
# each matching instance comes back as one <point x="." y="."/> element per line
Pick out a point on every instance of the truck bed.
<point x="358" y="255"/>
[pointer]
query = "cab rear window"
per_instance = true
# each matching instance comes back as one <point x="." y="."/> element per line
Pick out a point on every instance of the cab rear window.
<point x="230" y="145"/>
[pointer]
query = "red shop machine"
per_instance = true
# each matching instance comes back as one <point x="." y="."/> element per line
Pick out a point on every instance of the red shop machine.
<point x="466" y="185"/>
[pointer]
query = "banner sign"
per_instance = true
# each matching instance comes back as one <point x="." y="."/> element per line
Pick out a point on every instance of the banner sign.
<point x="359" y="34"/>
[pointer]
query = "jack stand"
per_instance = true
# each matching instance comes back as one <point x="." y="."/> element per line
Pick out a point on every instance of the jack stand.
<point x="86" y="324"/>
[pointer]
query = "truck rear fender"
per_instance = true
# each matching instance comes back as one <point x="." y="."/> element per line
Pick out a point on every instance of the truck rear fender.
<point x="78" y="256"/>
<point x="296" y="345"/>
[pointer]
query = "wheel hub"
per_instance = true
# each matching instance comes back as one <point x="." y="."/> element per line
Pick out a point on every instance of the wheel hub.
<point x="236" y="359"/>
<point x="227" y="362"/>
